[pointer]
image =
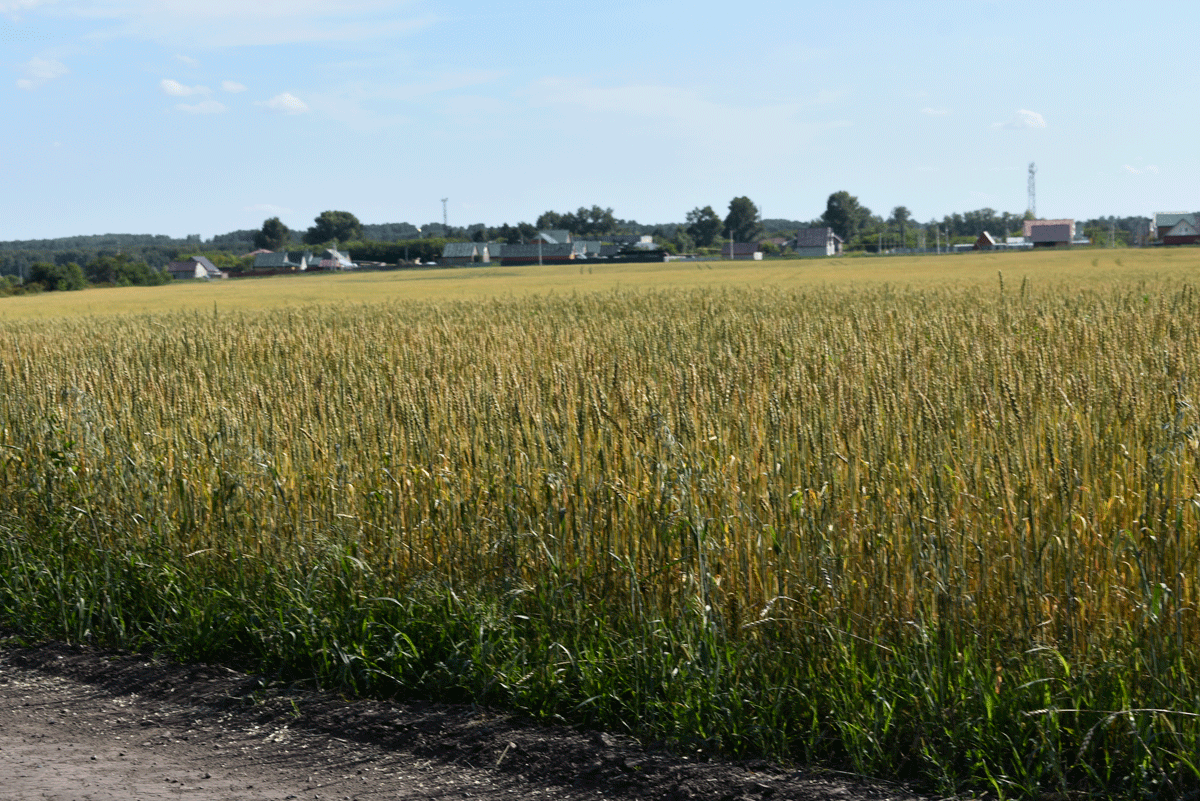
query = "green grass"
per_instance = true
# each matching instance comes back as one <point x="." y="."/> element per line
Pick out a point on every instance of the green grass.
<point x="939" y="534"/>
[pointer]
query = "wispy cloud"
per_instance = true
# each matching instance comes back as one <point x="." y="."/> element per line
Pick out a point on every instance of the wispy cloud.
<point x="39" y="71"/>
<point x="191" y="62"/>
<point x="223" y="23"/>
<point x="232" y="86"/>
<point x="286" y="103"/>
<point x="176" y="89"/>
<point x="203" y="107"/>
<point x="13" y="6"/>
<point x="1024" y="118"/>
<point x="1149" y="169"/>
<point x="696" y="123"/>
<point x="268" y="208"/>
<point x="931" y="111"/>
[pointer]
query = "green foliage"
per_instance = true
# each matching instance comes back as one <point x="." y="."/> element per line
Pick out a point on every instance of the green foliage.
<point x="683" y="242"/>
<point x="389" y="232"/>
<point x="11" y="285"/>
<point x="328" y="226"/>
<point x="397" y="252"/>
<point x="274" y="235"/>
<point x="845" y="215"/>
<point x="704" y="226"/>
<point x="585" y="223"/>
<point x="122" y="270"/>
<point x="742" y="221"/>
<point x="58" y="277"/>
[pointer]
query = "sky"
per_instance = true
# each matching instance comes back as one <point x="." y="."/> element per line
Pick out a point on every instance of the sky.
<point x="181" y="117"/>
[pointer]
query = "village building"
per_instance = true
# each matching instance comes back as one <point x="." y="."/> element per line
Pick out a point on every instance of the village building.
<point x="1178" y="228"/>
<point x="741" y="251"/>
<point x="817" y="242"/>
<point x="1164" y="221"/>
<point x="466" y="253"/>
<point x="194" y="267"/>
<point x="1050" y="233"/>
<point x="278" y="262"/>
<point x="985" y="242"/>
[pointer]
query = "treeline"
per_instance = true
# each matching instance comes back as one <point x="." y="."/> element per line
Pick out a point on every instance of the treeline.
<point x="49" y="276"/>
<point x="703" y="229"/>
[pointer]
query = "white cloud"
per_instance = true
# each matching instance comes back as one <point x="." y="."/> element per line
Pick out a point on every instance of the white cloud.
<point x="40" y="70"/>
<point x="287" y="103"/>
<point x="1148" y="169"/>
<point x="232" y="86"/>
<point x="191" y="62"/>
<point x="1021" y="120"/>
<point x="935" y="112"/>
<point x="176" y="89"/>
<point x="203" y="107"/>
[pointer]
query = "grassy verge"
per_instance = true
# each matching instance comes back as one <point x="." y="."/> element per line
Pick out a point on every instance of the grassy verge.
<point x="928" y="535"/>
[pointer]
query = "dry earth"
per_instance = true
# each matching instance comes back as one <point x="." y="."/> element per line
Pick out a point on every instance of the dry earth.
<point x="84" y="725"/>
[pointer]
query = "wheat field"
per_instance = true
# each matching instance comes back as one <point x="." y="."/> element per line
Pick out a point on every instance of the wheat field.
<point x="925" y="519"/>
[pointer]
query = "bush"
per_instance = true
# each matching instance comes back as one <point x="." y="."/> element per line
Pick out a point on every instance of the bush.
<point x="57" y="277"/>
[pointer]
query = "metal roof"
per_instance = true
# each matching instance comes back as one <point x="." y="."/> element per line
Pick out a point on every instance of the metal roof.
<point x="460" y="250"/>
<point x="815" y="237"/>
<point x="533" y="251"/>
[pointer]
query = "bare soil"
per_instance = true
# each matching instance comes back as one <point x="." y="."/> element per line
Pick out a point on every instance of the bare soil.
<point x="80" y="724"/>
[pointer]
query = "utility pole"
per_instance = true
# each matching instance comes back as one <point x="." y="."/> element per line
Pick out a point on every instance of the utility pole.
<point x="1032" y="190"/>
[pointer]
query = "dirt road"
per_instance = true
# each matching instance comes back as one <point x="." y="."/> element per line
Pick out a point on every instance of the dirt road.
<point x="80" y="725"/>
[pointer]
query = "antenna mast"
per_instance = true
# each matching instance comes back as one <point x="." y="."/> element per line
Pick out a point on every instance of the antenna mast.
<point x="1032" y="190"/>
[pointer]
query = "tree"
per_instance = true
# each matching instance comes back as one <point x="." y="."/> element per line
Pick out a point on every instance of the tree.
<point x="551" y="220"/>
<point x="330" y="225"/>
<point x="682" y="241"/>
<point x="844" y="215"/>
<point x="704" y="226"/>
<point x="122" y="270"/>
<point x="583" y="222"/>
<point x="742" y="222"/>
<point x="273" y="236"/>
<point x="57" y="277"/>
<point x="900" y="216"/>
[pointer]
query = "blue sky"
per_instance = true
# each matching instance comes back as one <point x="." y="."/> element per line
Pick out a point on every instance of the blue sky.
<point x="179" y="117"/>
